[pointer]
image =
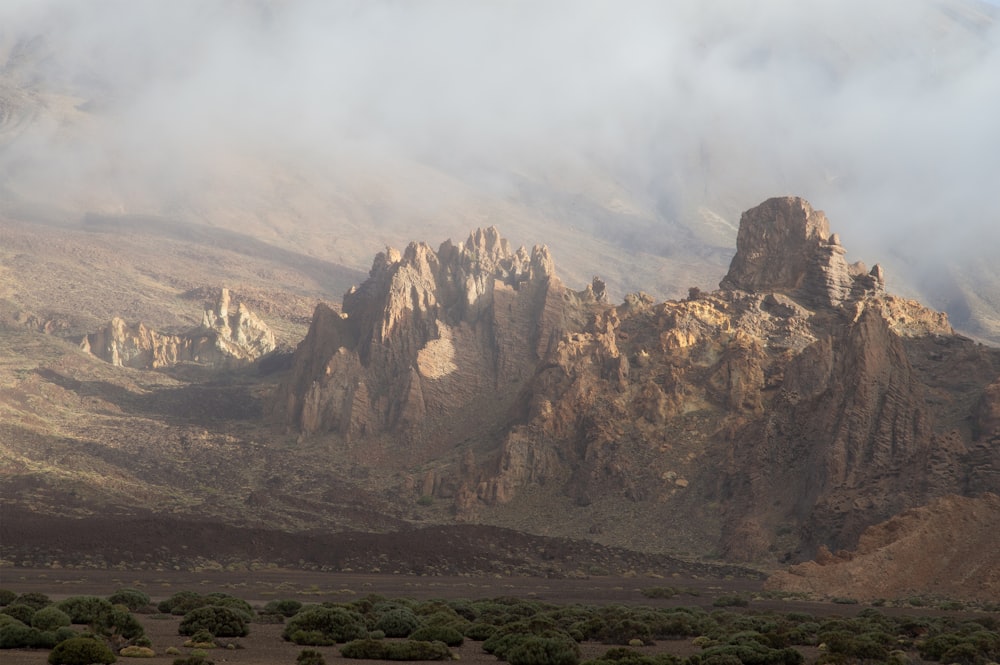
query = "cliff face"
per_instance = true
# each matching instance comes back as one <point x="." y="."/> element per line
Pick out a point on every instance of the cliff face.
<point x="428" y="336"/>
<point x="226" y="338"/>
<point x="789" y="410"/>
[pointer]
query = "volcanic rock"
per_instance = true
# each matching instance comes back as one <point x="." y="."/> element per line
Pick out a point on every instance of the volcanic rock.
<point x="430" y="336"/>
<point x="226" y="338"/>
<point x="785" y="246"/>
<point x="784" y="413"/>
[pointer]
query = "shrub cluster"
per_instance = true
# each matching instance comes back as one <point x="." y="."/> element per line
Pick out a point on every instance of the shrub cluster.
<point x="405" y="650"/>
<point x="322" y="626"/>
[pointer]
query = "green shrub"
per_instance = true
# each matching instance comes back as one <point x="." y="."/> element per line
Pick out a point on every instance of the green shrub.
<point x="7" y="597"/>
<point x="398" y="622"/>
<point x="219" y="621"/>
<point x="446" y="634"/>
<point x="182" y="602"/>
<point x="202" y="639"/>
<point x="232" y="602"/>
<point x="310" y="657"/>
<point x="50" y="618"/>
<point x="318" y="626"/>
<point x="365" y="649"/>
<point x="118" y="623"/>
<point x="84" y="609"/>
<point x="16" y="635"/>
<point x="34" y="600"/>
<point x="480" y="632"/>
<point x="934" y="647"/>
<point x="626" y="630"/>
<point x="624" y="656"/>
<point x="418" y="650"/>
<point x="751" y="654"/>
<point x="406" y="650"/>
<point x="534" y="650"/>
<point x="130" y="598"/>
<point x="286" y="608"/>
<point x="963" y="653"/>
<point x="81" y="651"/>
<point x="19" y="611"/>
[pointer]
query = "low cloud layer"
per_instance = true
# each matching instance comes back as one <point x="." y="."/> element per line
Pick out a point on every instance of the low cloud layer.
<point x="883" y="114"/>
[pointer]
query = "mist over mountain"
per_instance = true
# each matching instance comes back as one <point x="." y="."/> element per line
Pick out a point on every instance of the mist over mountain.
<point x="629" y="138"/>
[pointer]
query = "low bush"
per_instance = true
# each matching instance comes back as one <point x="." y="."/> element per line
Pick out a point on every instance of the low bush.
<point x="286" y="608"/>
<point x="219" y="621"/>
<point x="50" y="618"/>
<point x="318" y="626"/>
<point x="7" y="597"/>
<point x="405" y="650"/>
<point x="130" y="598"/>
<point x="182" y="602"/>
<point x="660" y="592"/>
<point x="34" y="600"/>
<point x="310" y="657"/>
<point x="534" y="650"/>
<point x="84" y="609"/>
<point x="19" y="611"/>
<point x="81" y="651"/>
<point x="446" y="634"/>
<point x="480" y="632"/>
<point x="118" y="623"/>
<point x="623" y="656"/>
<point x="398" y="622"/>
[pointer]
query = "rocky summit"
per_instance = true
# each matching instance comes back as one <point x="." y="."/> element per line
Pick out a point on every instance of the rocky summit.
<point x="785" y="412"/>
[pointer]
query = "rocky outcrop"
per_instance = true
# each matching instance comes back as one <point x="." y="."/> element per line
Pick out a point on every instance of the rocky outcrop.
<point x="784" y="413"/>
<point x="227" y="337"/>
<point x="430" y="337"/>
<point x="785" y="246"/>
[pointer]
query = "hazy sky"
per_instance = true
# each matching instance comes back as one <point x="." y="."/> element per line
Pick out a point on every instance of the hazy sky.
<point x="882" y="113"/>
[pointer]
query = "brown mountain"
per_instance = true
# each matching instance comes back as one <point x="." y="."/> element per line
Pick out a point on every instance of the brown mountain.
<point x="790" y="409"/>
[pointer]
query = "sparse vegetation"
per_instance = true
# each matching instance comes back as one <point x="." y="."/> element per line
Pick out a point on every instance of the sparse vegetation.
<point x="527" y="632"/>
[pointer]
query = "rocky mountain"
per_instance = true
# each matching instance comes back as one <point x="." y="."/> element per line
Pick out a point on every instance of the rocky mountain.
<point x="787" y="411"/>
<point x="227" y="337"/>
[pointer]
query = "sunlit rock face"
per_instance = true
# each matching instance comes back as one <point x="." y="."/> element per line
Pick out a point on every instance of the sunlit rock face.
<point x="428" y="334"/>
<point x="228" y="337"/>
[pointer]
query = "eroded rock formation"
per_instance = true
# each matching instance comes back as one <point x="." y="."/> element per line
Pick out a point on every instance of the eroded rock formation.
<point x="785" y="412"/>
<point x="431" y="336"/>
<point x="227" y="337"/>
